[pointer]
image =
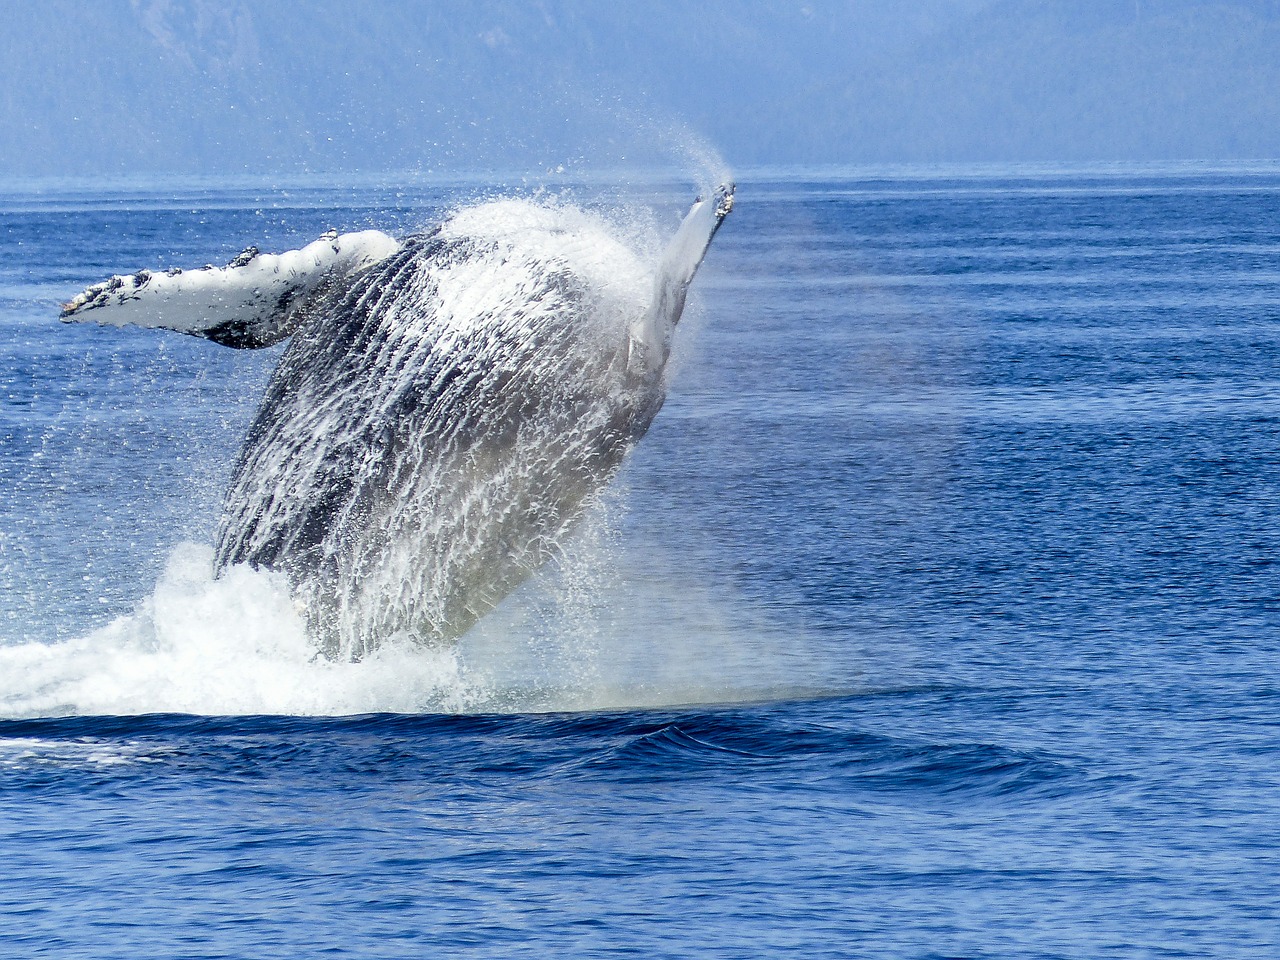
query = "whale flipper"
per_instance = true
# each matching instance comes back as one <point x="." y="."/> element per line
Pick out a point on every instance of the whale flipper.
<point x="254" y="301"/>
<point x="651" y="337"/>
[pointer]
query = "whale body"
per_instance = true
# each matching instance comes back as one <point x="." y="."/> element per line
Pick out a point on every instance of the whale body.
<point x="446" y="406"/>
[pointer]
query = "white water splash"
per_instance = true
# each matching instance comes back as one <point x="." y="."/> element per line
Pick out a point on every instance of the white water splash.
<point x="603" y="629"/>
<point x="229" y="646"/>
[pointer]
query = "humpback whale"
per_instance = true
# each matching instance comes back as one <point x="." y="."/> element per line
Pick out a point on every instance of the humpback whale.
<point x="446" y="406"/>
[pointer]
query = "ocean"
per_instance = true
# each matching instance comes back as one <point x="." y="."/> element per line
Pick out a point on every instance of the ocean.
<point x="936" y="616"/>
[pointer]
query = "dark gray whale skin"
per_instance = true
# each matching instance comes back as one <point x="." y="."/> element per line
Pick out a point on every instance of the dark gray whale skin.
<point x="454" y="418"/>
<point x="424" y="445"/>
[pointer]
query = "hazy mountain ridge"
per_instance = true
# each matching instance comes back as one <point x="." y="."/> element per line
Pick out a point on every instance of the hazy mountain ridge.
<point x="1029" y="81"/>
<point x="198" y="86"/>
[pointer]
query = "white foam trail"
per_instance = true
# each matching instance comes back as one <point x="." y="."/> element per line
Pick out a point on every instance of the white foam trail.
<point x="22" y="753"/>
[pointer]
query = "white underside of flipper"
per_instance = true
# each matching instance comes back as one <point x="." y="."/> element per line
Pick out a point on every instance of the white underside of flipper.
<point x="254" y="301"/>
<point x="651" y="335"/>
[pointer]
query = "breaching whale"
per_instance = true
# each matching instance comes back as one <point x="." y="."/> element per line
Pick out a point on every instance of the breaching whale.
<point x="445" y="408"/>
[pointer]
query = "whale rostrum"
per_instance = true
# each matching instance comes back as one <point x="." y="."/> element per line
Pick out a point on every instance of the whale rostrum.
<point x="444" y="410"/>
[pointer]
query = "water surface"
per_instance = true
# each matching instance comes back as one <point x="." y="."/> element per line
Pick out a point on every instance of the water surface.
<point x="936" y="616"/>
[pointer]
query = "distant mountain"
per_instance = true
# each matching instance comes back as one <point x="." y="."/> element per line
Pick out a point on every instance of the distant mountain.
<point x="1026" y="80"/>
<point x="226" y="86"/>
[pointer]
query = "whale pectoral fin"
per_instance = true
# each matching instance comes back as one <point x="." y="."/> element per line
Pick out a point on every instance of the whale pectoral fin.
<point x="651" y="339"/>
<point x="254" y="301"/>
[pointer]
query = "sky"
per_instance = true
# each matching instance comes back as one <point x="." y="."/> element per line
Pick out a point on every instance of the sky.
<point x="218" y="87"/>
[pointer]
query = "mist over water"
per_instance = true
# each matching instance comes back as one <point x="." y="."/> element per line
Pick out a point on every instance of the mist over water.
<point x="494" y="86"/>
<point x="597" y="631"/>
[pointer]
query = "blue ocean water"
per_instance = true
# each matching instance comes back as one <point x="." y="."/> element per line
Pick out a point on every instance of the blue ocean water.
<point x="935" y="617"/>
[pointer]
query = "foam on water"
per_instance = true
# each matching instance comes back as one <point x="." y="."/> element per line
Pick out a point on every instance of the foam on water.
<point x="234" y="645"/>
<point x="600" y="630"/>
<point x="24" y="753"/>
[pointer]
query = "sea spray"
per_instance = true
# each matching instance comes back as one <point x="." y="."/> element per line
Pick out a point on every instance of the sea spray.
<point x="234" y="645"/>
<point x="605" y="628"/>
